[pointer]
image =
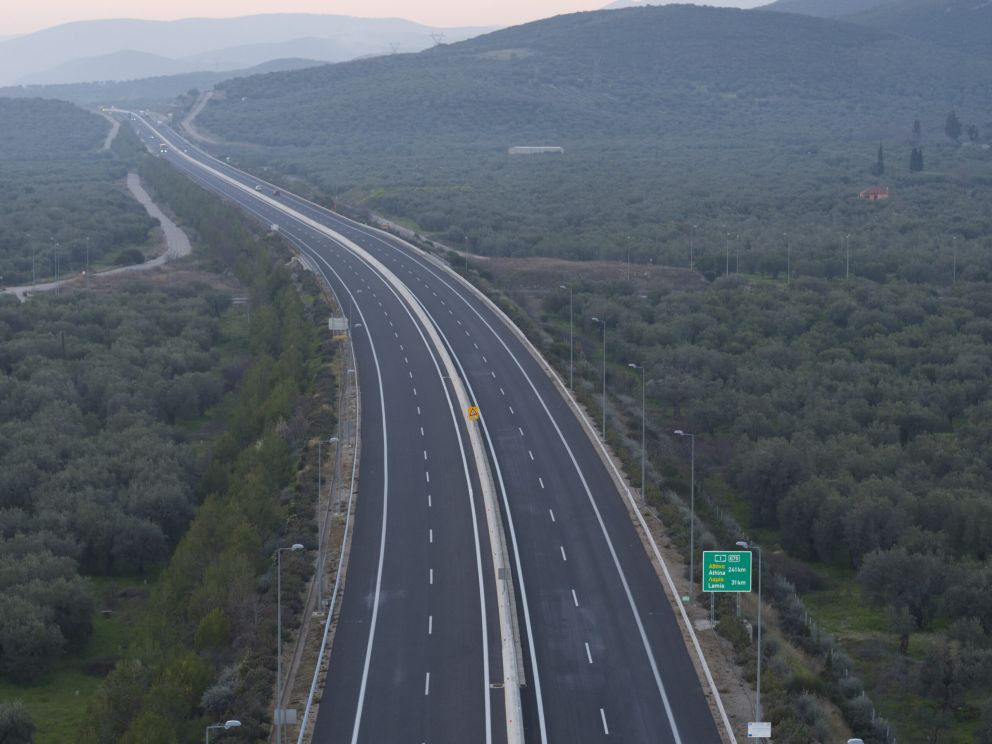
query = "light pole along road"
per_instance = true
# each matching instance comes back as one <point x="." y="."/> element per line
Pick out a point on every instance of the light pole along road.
<point x="603" y="651"/>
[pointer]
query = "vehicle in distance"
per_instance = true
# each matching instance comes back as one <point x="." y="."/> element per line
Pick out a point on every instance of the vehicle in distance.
<point x="258" y="187"/>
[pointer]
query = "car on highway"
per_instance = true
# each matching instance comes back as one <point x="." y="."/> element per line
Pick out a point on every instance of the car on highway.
<point x="258" y="187"/>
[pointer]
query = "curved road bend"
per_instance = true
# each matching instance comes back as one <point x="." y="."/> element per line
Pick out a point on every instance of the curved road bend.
<point x="605" y="656"/>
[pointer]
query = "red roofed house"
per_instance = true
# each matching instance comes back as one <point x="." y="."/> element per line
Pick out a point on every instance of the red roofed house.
<point x="874" y="193"/>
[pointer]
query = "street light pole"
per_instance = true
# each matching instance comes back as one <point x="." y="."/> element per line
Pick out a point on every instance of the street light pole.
<point x="788" y="260"/>
<point x="226" y="725"/>
<point x="692" y="504"/>
<point x="628" y="258"/>
<point x="726" y="271"/>
<point x="692" y="245"/>
<point x="643" y="410"/>
<point x="954" y="264"/>
<point x="847" y="260"/>
<point x="571" y="338"/>
<point x="278" y="712"/>
<point x="597" y="320"/>
<point x="757" y="697"/>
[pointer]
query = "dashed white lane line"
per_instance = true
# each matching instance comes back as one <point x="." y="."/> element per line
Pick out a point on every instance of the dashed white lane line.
<point x="477" y="346"/>
<point x="415" y="391"/>
<point x="421" y="431"/>
<point x="541" y="481"/>
<point x="549" y="512"/>
<point x="501" y="390"/>
<point x="406" y="359"/>
<point x="562" y="547"/>
<point x="427" y="691"/>
<point x="418" y="410"/>
<point x="428" y="501"/>
<point x="468" y="334"/>
<point x="458" y="322"/>
<point x="396" y="334"/>
<point x="428" y="474"/>
<point x="401" y="348"/>
<point x="425" y="455"/>
<point x="430" y="535"/>
<point x="430" y="577"/>
<point x="520" y="429"/>
<point x="606" y="729"/>
<point x="430" y="627"/>
<point x="531" y="455"/>
<point x="588" y="653"/>
<point x="410" y="372"/>
<point x="512" y="412"/>
<point x="575" y="598"/>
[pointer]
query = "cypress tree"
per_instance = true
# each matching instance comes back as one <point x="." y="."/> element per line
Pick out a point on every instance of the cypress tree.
<point x="879" y="167"/>
<point x="952" y="128"/>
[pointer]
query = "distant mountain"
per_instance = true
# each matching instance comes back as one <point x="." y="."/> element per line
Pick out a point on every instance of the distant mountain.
<point x="667" y="69"/>
<point x="124" y="65"/>
<point x="153" y="89"/>
<point x="210" y="42"/>
<point x="963" y="25"/>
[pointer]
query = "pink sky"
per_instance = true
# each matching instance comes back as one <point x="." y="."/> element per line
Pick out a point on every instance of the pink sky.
<point x="20" y="16"/>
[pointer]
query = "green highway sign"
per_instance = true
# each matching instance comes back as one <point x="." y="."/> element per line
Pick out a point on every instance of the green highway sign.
<point x="726" y="570"/>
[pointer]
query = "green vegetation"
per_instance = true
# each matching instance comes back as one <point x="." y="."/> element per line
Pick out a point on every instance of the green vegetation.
<point x="203" y="648"/>
<point x="707" y="129"/>
<point x="851" y="419"/>
<point x="60" y="195"/>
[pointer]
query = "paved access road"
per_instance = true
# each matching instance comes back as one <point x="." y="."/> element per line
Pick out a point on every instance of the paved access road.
<point x="603" y="653"/>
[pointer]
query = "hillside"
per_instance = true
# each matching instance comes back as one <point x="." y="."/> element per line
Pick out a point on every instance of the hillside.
<point x="212" y="43"/>
<point x="735" y="121"/>
<point x="962" y="25"/>
<point x="153" y="89"/>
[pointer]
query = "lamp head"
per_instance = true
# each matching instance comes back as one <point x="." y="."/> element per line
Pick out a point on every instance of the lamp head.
<point x="296" y="546"/>
<point x="742" y="544"/>
<point x="232" y="724"/>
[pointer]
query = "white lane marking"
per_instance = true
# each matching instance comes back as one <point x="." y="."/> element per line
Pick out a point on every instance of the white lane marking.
<point x="427" y="691"/>
<point x="428" y="474"/>
<point x="541" y="481"/>
<point x="421" y="431"/>
<point x="468" y="334"/>
<point x="401" y="348"/>
<point x="502" y="391"/>
<point x="450" y="313"/>
<point x="531" y="455"/>
<point x="649" y="652"/>
<point x="588" y="653"/>
<point x="606" y="729"/>
<point x="406" y="359"/>
<point x="575" y="598"/>
<point x="477" y="346"/>
<point x="549" y="512"/>
<point x="396" y="334"/>
<point x="520" y="430"/>
<point x="430" y="535"/>
<point x="415" y="391"/>
<point x="458" y="322"/>
<point x="494" y="377"/>
<point x="411" y="374"/>
<point x="418" y="410"/>
<point x="425" y="455"/>
<point x="512" y="412"/>
<point x="562" y="547"/>
<point x="431" y="578"/>
<point x="428" y="501"/>
<point x="430" y="627"/>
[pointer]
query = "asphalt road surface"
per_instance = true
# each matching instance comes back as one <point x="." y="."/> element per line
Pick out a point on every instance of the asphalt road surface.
<point x="416" y="657"/>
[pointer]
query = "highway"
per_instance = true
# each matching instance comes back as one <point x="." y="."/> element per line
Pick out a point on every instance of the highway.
<point x="417" y="654"/>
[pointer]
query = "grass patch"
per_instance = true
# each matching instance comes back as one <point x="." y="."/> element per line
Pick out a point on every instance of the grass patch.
<point x="58" y="704"/>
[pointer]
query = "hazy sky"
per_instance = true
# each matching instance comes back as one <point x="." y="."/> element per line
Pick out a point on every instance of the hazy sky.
<point x="20" y="16"/>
